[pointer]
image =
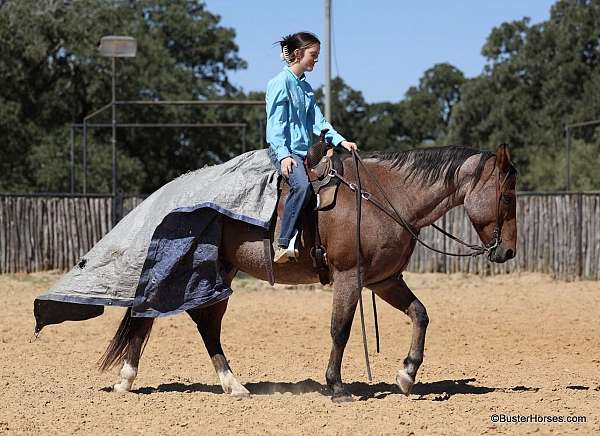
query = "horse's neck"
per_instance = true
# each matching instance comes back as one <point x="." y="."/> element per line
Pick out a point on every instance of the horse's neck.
<point x="430" y="203"/>
<point x="421" y="204"/>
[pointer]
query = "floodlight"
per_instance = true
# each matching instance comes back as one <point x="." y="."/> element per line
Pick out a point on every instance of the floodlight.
<point x="118" y="46"/>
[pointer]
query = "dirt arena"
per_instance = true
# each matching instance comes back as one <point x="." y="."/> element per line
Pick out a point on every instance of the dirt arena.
<point x="512" y="345"/>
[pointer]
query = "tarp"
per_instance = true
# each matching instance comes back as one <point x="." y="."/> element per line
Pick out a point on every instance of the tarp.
<point x="162" y="257"/>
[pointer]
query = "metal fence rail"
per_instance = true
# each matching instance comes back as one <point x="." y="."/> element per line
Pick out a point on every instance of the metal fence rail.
<point x="559" y="234"/>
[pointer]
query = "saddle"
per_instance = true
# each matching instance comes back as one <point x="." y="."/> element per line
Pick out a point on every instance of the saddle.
<point x="322" y="163"/>
<point x="320" y="160"/>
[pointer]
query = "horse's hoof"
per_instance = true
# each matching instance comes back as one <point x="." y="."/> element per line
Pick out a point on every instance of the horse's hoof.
<point x="240" y="394"/>
<point x="405" y="382"/>
<point x="120" y="388"/>
<point x="342" y="398"/>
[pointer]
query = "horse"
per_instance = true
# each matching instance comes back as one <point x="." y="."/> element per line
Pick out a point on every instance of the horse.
<point x="423" y="185"/>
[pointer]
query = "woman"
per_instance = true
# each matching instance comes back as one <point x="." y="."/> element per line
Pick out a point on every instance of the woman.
<point x="292" y="117"/>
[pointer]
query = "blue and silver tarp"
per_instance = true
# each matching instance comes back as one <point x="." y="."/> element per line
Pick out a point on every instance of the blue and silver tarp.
<point x="162" y="257"/>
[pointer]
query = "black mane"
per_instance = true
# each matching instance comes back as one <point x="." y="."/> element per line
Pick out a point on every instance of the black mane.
<point x="431" y="164"/>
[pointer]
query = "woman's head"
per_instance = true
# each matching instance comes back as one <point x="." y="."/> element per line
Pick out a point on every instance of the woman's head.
<point x="301" y="48"/>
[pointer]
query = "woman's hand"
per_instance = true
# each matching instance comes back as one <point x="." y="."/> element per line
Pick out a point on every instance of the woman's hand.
<point x="349" y="145"/>
<point x="287" y="166"/>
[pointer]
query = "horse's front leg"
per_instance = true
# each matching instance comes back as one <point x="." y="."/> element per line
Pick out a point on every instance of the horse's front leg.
<point x="397" y="293"/>
<point x="345" y="298"/>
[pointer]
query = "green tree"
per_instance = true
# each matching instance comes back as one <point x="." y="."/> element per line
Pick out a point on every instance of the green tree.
<point x="49" y="162"/>
<point x="427" y="108"/>
<point x="53" y="77"/>
<point x="537" y="79"/>
<point x="420" y="117"/>
<point x="443" y="81"/>
<point x="382" y="129"/>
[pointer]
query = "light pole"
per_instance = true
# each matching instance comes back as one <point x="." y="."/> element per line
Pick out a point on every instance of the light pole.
<point x="115" y="47"/>
<point x="328" y="60"/>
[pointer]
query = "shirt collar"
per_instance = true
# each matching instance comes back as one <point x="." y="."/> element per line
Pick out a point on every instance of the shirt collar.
<point x="301" y="78"/>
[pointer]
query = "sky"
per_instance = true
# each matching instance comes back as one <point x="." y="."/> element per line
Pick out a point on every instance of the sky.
<point x="380" y="47"/>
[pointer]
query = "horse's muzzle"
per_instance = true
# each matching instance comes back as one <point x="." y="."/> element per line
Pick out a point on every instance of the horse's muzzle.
<point x="501" y="254"/>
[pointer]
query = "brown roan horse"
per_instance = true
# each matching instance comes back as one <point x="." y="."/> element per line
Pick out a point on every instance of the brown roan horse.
<point x="422" y="185"/>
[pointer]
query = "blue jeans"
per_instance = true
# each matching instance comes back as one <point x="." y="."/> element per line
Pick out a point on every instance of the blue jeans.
<point x="296" y="200"/>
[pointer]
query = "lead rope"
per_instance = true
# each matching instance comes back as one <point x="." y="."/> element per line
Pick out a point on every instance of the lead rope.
<point x="357" y="188"/>
<point x="376" y="322"/>
<point x="359" y="286"/>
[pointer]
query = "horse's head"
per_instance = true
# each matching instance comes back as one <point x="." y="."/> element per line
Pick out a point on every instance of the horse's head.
<point x="491" y="206"/>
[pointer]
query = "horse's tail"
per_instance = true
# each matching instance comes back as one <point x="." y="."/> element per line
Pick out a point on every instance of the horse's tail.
<point x="118" y="347"/>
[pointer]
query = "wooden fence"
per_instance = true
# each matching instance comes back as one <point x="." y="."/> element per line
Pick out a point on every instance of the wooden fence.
<point x="39" y="232"/>
<point x="558" y="234"/>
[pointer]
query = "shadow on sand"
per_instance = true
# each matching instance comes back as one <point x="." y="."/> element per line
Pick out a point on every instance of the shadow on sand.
<point x="433" y="391"/>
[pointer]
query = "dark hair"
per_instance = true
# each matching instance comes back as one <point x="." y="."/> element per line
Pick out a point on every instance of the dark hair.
<point x="295" y="41"/>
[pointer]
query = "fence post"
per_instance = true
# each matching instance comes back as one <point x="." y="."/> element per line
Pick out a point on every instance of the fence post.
<point x="117" y="206"/>
<point x="579" y="230"/>
<point x="445" y="259"/>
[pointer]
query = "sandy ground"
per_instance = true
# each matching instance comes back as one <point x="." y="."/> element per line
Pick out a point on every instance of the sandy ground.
<point x="512" y="345"/>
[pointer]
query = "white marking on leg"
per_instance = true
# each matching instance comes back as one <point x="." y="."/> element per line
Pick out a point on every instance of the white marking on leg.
<point x="228" y="381"/>
<point x="405" y="382"/>
<point x="128" y="374"/>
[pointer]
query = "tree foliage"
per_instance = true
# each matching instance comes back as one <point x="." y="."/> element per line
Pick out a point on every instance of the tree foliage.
<point x="538" y="78"/>
<point x="55" y="77"/>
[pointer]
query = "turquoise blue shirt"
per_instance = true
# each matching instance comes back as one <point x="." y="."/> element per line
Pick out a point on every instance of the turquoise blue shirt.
<point x="293" y="115"/>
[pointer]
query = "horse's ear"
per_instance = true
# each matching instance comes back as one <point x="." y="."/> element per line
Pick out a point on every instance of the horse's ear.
<point x="503" y="157"/>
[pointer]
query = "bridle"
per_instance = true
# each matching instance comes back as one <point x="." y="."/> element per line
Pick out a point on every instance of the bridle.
<point x="392" y="212"/>
<point x="497" y="233"/>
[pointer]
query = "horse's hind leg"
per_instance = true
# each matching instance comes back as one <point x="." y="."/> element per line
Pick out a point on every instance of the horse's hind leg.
<point x="208" y="321"/>
<point x="397" y="293"/>
<point x="129" y="371"/>
<point x="127" y="345"/>
<point x="345" y="298"/>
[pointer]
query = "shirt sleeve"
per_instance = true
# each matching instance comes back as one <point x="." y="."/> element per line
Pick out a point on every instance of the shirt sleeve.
<point x="277" y="119"/>
<point x="321" y="123"/>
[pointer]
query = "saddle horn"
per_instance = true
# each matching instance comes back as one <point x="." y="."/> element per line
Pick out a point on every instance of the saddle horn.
<point x="317" y="151"/>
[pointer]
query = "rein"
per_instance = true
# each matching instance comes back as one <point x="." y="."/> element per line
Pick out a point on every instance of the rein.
<point x="359" y="282"/>
<point x="476" y="250"/>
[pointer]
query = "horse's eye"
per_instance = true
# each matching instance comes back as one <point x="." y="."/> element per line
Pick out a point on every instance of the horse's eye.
<point x="506" y="199"/>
